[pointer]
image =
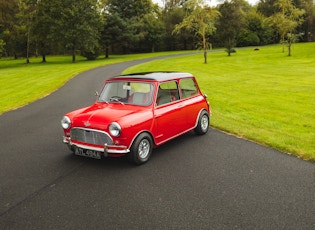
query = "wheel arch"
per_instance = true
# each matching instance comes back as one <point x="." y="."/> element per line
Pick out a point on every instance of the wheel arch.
<point x="199" y="114"/>
<point x="138" y="134"/>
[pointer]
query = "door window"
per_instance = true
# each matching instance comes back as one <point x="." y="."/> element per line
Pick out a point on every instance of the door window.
<point x="168" y="92"/>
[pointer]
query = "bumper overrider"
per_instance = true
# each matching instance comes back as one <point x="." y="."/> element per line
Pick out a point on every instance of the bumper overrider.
<point x="106" y="149"/>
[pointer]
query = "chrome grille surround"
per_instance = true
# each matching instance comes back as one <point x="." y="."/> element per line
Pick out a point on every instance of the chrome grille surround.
<point x="90" y="136"/>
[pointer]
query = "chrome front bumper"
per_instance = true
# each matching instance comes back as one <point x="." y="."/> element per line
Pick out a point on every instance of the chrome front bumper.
<point x="107" y="149"/>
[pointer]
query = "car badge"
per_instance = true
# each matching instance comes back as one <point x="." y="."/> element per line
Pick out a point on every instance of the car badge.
<point x="87" y="123"/>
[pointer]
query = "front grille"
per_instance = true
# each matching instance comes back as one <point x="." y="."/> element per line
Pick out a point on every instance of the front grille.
<point x="90" y="136"/>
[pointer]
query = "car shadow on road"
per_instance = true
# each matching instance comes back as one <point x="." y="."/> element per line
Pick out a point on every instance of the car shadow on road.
<point x="173" y="148"/>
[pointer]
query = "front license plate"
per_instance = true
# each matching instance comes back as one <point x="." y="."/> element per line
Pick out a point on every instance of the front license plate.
<point x="87" y="153"/>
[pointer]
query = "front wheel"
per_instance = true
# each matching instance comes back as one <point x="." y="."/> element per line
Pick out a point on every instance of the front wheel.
<point x="141" y="149"/>
<point x="203" y="123"/>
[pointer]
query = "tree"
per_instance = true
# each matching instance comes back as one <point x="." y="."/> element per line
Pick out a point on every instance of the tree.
<point x="8" y="23"/>
<point x="257" y="30"/>
<point x="126" y="24"/>
<point x="44" y="22"/>
<point x="117" y="34"/>
<point x="27" y="14"/>
<point x="308" y="27"/>
<point x="286" y="21"/>
<point x="200" y="18"/>
<point x="147" y="29"/>
<point x="152" y="28"/>
<point x="231" y="23"/>
<point x="171" y="16"/>
<point x="79" y="25"/>
<point x="266" y="7"/>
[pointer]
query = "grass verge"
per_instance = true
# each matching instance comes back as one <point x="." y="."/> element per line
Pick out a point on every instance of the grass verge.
<point x="22" y="83"/>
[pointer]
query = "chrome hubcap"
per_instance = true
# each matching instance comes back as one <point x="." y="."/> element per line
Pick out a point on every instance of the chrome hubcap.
<point x="144" y="148"/>
<point x="204" y="122"/>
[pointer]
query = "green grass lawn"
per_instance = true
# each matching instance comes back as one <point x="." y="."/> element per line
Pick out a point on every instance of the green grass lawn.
<point x="22" y="83"/>
<point x="262" y="95"/>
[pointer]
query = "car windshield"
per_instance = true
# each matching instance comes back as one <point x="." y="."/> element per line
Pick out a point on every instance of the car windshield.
<point x="126" y="92"/>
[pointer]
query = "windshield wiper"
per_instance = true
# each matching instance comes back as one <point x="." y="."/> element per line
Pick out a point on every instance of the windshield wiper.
<point x="116" y="99"/>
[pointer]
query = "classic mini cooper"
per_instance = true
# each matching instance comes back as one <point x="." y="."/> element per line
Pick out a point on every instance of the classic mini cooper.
<point x="135" y="113"/>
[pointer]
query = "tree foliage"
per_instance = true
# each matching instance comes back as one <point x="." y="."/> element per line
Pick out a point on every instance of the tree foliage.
<point x="8" y="22"/>
<point x="308" y="26"/>
<point x="92" y="27"/>
<point x="44" y="28"/>
<point x="80" y="22"/>
<point x="231" y="23"/>
<point x="27" y="16"/>
<point x="130" y="24"/>
<point x="286" y="20"/>
<point x="200" y="19"/>
<point x="171" y="16"/>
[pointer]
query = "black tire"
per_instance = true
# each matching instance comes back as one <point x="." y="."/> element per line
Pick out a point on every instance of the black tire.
<point x="203" y="123"/>
<point x="141" y="149"/>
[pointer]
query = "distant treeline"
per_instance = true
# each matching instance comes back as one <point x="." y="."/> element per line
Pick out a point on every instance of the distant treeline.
<point x="102" y="27"/>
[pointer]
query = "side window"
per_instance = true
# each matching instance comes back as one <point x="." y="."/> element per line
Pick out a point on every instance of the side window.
<point x="168" y="92"/>
<point x="188" y="87"/>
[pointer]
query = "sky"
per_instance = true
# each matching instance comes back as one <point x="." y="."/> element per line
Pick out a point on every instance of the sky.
<point x="212" y="2"/>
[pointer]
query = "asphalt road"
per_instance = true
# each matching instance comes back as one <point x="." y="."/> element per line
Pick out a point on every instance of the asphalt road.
<point x="215" y="181"/>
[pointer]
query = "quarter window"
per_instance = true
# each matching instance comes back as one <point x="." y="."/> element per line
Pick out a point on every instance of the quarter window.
<point x="188" y="88"/>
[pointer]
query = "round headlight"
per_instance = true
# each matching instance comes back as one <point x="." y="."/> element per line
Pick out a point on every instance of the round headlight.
<point x="114" y="129"/>
<point x="65" y="122"/>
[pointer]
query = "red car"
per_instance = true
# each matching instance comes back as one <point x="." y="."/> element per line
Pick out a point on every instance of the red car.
<point x="135" y="113"/>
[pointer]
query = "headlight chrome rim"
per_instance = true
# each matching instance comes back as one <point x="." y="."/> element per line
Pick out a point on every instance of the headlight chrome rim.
<point x="65" y="122"/>
<point x="114" y="129"/>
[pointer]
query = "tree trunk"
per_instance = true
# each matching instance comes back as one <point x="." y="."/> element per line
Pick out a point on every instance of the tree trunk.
<point x="73" y="55"/>
<point x="229" y="49"/>
<point x="106" y="52"/>
<point x="291" y="39"/>
<point x="107" y="45"/>
<point x="28" y="47"/>
<point x="289" y="46"/>
<point x="204" y="41"/>
<point x="44" y="58"/>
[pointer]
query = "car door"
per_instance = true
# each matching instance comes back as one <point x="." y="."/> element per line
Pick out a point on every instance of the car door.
<point x="168" y="115"/>
<point x="192" y="101"/>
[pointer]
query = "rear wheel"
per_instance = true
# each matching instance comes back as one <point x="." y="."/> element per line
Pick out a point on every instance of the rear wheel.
<point x="141" y="149"/>
<point x="203" y="123"/>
